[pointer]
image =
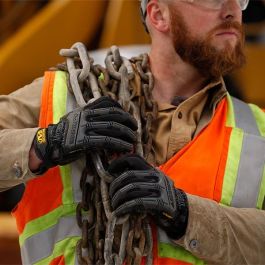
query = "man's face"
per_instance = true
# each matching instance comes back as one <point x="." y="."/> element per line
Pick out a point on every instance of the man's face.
<point x="210" y="40"/>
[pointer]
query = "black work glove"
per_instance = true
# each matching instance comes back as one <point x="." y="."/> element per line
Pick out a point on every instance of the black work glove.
<point x="102" y="124"/>
<point x="141" y="188"/>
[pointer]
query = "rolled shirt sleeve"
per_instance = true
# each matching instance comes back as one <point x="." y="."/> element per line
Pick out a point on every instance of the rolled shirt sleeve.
<point x="224" y="235"/>
<point x="19" y="114"/>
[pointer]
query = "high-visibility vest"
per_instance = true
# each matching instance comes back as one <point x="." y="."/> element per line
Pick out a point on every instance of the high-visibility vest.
<point x="224" y="162"/>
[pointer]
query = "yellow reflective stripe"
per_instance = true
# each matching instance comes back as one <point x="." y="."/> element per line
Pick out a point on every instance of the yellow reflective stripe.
<point x="259" y="117"/>
<point x="31" y="252"/>
<point x="59" y="110"/>
<point x="66" y="176"/>
<point x="69" y="207"/>
<point x="46" y="221"/>
<point x="231" y="170"/>
<point x="261" y="196"/>
<point x="59" y="96"/>
<point x="66" y="248"/>
<point x="230" y="120"/>
<point x="166" y="249"/>
<point x="176" y="252"/>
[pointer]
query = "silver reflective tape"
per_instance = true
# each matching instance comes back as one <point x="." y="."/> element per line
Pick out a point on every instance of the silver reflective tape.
<point x="40" y="246"/>
<point x="162" y="236"/>
<point x="244" y="117"/>
<point x="76" y="172"/>
<point x="70" y="102"/>
<point x="250" y="172"/>
<point x="77" y="165"/>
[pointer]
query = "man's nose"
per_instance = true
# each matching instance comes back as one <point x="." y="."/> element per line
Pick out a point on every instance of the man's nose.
<point x="231" y="10"/>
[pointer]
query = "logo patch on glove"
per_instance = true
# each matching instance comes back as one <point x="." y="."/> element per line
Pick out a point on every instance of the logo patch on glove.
<point x="41" y="136"/>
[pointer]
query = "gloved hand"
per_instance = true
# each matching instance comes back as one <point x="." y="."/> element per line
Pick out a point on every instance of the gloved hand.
<point x="141" y="188"/>
<point x="100" y="125"/>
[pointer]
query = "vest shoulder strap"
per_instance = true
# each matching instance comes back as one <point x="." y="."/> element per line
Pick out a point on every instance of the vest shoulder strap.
<point x="251" y="119"/>
<point x="244" y="117"/>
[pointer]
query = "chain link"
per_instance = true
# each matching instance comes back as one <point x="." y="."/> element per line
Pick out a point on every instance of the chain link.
<point x="107" y="239"/>
<point x="85" y="222"/>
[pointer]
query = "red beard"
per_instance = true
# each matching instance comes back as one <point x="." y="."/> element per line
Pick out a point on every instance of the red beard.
<point x="209" y="61"/>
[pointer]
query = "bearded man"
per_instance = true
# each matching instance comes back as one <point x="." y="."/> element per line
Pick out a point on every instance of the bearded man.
<point x="202" y="184"/>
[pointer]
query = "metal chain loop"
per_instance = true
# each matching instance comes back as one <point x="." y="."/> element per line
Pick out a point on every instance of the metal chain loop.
<point x="107" y="239"/>
<point x="85" y="220"/>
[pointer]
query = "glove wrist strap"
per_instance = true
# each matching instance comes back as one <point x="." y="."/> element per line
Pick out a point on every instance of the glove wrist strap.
<point x="40" y="144"/>
<point x="178" y="227"/>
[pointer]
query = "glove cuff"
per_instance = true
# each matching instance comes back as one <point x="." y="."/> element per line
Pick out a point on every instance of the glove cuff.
<point x="40" y="144"/>
<point x="178" y="226"/>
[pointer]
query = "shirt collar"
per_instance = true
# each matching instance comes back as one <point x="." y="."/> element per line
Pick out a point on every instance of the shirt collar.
<point x="217" y="86"/>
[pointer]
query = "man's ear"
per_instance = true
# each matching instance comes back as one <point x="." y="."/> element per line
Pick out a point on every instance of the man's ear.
<point x="158" y="15"/>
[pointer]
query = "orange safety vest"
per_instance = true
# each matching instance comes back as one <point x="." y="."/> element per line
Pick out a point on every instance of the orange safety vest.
<point x="216" y="164"/>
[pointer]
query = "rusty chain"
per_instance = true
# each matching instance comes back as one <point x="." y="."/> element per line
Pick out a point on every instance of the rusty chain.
<point x="107" y="239"/>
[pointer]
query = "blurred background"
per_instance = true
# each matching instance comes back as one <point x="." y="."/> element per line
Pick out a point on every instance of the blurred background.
<point x="32" y="33"/>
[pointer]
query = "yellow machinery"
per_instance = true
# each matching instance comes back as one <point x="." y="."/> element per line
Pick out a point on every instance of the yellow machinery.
<point x="34" y="48"/>
<point x="122" y="24"/>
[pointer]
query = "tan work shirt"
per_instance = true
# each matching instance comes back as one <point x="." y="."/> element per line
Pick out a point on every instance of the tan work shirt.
<point x="177" y="123"/>
<point x="215" y="233"/>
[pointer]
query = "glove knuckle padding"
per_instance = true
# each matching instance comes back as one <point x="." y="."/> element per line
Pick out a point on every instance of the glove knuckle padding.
<point x="110" y="128"/>
<point x="130" y="177"/>
<point x="127" y="207"/>
<point x="128" y="162"/>
<point x="105" y="108"/>
<point x="87" y="142"/>
<point x="133" y="191"/>
<point x="138" y="205"/>
<point x="111" y="114"/>
<point x="139" y="187"/>
<point x="116" y="144"/>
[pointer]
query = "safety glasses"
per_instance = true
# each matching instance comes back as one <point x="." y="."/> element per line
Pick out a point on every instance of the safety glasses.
<point x="211" y="4"/>
<point x="217" y="4"/>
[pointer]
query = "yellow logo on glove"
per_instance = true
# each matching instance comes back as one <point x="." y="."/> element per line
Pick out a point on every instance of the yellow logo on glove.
<point x="41" y="136"/>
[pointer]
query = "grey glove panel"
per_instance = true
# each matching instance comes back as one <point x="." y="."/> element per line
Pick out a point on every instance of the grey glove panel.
<point x="132" y="176"/>
<point x="105" y="142"/>
<point x="110" y="114"/>
<point x="108" y="128"/>
<point x="139" y="205"/>
<point x="133" y="191"/>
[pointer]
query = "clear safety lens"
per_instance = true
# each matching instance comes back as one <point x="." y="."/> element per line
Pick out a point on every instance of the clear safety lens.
<point x="243" y="4"/>
<point x="217" y="4"/>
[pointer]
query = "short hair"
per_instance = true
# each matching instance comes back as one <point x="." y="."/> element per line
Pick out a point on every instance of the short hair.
<point x="143" y="13"/>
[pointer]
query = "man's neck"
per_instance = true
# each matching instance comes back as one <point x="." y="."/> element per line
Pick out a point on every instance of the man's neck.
<point x="173" y="77"/>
